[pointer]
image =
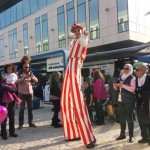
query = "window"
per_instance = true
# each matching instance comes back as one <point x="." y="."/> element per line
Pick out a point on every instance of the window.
<point x="7" y="17"/>
<point x="13" y="12"/>
<point x="2" y="51"/>
<point x="25" y="39"/>
<point x="26" y="8"/>
<point x="10" y="40"/>
<point x="50" y="1"/>
<point x="19" y="10"/>
<point x="13" y="45"/>
<point x="38" y="35"/>
<point x="61" y="26"/>
<point x="34" y="5"/>
<point x="94" y="19"/>
<point x="42" y="3"/>
<point x="123" y="24"/>
<point x="2" y="19"/>
<point x="70" y="16"/>
<point x="81" y="16"/>
<point x="45" y="32"/>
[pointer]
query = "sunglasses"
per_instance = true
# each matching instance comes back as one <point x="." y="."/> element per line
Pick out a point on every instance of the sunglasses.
<point x="27" y="67"/>
<point x="125" y="68"/>
<point x="137" y="70"/>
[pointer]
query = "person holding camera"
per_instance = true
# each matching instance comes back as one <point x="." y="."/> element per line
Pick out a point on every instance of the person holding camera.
<point x="126" y="101"/>
<point x="25" y="92"/>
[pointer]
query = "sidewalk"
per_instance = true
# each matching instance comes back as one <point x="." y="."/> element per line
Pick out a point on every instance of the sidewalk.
<point x="46" y="137"/>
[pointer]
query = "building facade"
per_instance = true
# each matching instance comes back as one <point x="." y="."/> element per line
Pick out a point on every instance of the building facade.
<point x="39" y="27"/>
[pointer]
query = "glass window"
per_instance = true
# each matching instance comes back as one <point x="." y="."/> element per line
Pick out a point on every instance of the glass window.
<point x="13" y="11"/>
<point x="70" y="16"/>
<point x="45" y="32"/>
<point x="81" y="16"/>
<point x="34" y="5"/>
<point x="2" y="20"/>
<point x="19" y="10"/>
<point x="15" y="43"/>
<point x="42" y="3"/>
<point x="123" y="24"/>
<point x="50" y="1"/>
<point x="80" y="2"/>
<point x="26" y="8"/>
<point x="2" y="54"/>
<point x="25" y="39"/>
<point x="61" y="26"/>
<point x="94" y="19"/>
<point x="10" y="40"/>
<point x="7" y="17"/>
<point x="38" y="35"/>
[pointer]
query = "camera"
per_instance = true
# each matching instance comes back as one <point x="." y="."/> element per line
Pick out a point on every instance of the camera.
<point x="118" y="81"/>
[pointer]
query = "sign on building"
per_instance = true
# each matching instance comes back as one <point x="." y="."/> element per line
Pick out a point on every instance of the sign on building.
<point x="55" y="64"/>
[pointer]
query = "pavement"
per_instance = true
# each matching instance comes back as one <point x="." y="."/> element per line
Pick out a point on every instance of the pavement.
<point x="46" y="137"/>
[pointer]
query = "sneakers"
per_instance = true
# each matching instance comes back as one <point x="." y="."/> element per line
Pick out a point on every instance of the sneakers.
<point x="121" y="137"/>
<point x="20" y="127"/>
<point x="14" y="135"/>
<point x="32" y="125"/>
<point x="18" y="101"/>
<point x="131" y="139"/>
<point x="143" y="140"/>
<point x="4" y="137"/>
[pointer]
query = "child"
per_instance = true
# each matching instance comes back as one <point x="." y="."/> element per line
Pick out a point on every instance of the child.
<point x="10" y="78"/>
<point x="88" y="95"/>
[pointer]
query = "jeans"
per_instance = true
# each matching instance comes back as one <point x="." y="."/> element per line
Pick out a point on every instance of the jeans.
<point x="56" y="104"/>
<point x="25" y="98"/>
<point x="99" y="111"/>
<point x="126" y="114"/>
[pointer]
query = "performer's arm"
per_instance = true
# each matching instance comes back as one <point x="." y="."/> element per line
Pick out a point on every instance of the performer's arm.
<point x="83" y="40"/>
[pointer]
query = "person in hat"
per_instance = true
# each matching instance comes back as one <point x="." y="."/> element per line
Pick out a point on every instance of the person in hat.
<point x="75" y="116"/>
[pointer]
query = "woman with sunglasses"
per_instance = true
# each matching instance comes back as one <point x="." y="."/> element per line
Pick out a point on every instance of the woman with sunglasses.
<point x="143" y="101"/>
<point x="126" y="101"/>
<point x="25" y="93"/>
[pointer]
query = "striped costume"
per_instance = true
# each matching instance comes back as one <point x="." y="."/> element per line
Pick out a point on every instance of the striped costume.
<point x="75" y="117"/>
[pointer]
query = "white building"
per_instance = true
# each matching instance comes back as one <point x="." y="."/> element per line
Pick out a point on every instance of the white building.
<point x="42" y="27"/>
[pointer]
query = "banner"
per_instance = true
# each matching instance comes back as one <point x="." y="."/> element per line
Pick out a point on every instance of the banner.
<point x="55" y="64"/>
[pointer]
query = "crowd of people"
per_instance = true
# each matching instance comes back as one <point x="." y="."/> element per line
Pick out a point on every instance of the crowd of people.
<point x="126" y="91"/>
<point x="16" y="89"/>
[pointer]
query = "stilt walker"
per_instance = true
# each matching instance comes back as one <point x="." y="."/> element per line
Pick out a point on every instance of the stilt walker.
<point x="75" y="116"/>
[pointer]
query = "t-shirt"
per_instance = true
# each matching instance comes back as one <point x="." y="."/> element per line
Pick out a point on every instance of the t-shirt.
<point x="87" y="93"/>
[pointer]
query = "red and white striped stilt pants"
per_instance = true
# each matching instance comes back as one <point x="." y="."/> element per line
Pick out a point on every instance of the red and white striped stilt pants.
<point x="75" y="116"/>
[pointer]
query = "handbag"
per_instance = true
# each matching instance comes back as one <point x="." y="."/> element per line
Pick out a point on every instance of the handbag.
<point x="110" y="109"/>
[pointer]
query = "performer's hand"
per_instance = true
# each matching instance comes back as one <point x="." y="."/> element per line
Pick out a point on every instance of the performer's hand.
<point x="85" y="33"/>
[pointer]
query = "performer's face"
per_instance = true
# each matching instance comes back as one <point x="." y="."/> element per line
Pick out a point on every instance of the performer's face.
<point x="77" y="33"/>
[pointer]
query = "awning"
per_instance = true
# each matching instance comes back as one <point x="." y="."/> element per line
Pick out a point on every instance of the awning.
<point x="145" y="59"/>
<point x="118" y="53"/>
